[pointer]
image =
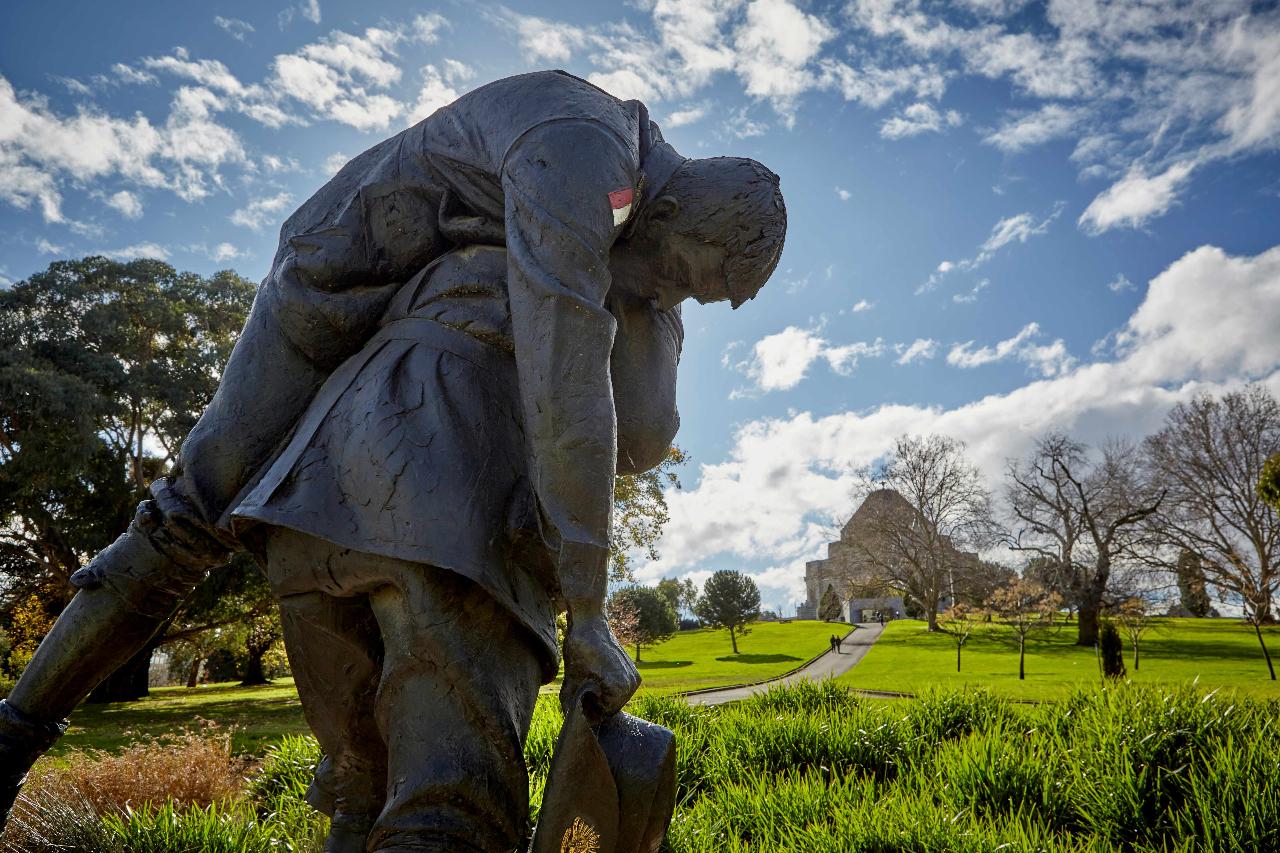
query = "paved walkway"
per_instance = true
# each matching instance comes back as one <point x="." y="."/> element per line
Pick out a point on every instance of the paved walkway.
<point x="829" y="665"/>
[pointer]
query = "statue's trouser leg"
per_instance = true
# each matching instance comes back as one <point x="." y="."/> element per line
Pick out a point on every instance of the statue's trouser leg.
<point x="131" y="588"/>
<point x="454" y="701"/>
<point x="335" y="653"/>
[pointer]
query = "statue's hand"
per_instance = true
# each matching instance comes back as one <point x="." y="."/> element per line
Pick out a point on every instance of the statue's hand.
<point x="596" y="668"/>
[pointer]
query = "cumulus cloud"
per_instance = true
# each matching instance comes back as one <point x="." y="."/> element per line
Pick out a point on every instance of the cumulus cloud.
<point x="1134" y="199"/>
<point x="127" y="203"/>
<point x="1046" y="360"/>
<point x="687" y="115"/>
<point x="261" y="211"/>
<point x="843" y="194"/>
<point x="1051" y="121"/>
<point x="1207" y="323"/>
<point x="780" y="361"/>
<point x="921" y="349"/>
<point x="1120" y="283"/>
<point x="916" y="119"/>
<point x="440" y="86"/>
<point x="862" y="305"/>
<point x="40" y="148"/>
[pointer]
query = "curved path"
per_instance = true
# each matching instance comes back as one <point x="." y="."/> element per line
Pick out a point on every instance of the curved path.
<point x="827" y="665"/>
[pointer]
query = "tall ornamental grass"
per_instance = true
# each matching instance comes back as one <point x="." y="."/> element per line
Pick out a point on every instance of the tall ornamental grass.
<point x="814" y="769"/>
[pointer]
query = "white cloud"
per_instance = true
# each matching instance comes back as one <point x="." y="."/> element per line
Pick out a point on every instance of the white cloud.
<point x="1046" y="360"/>
<point x="127" y="203"/>
<point x="1135" y="198"/>
<point x="129" y="74"/>
<point x="1017" y="228"/>
<point x="225" y="252"/>
<point x="971" y="295"/>
<point x="308" y="9"/>
<point x="39" y="148"/>
<point x="137" y="250"/>
<point x="439" y="88"/>
<point x="862" y="305"/>
<point x="1120" y="283"/>
<point x="1207" y="323"/>
<point x="781" y="360"/>
<point x="921" y="349"/>
<point x="916" y="119"/>
<point x="965" y="356"/>
<point x="740" y="126"/>
<point x="46" y="248"/>
<point x="774" y="48"/>
<point x="261" y="211"/>
<point x="333" y="163"/>
<point x="844" y="194"/>
<point x="687" y="115"/>
<point x="234" y="27"/>
<point x="1051" y="121"/>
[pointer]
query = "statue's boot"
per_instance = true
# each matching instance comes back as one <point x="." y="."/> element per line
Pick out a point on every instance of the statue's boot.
<point x="127" y="594"/>
<point x="23" y="739"/>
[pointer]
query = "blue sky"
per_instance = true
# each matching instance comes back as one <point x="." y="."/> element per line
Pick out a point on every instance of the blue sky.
<point x="1006" y="216"/>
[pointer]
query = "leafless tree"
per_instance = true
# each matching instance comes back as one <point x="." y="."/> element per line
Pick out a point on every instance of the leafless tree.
<point x="1082" y="514"/>
<point x="925" y="507"/>
<point x="960" y="621"/>
<point x="1208" y="456"/>
<point x="1134" y="616"/>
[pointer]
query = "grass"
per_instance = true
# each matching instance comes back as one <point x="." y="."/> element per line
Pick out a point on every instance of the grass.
<point x="692" y="660"/>
<point x="1214" y="653"/>
<point x="813" y="769"/>
<point x="257" y="716"/>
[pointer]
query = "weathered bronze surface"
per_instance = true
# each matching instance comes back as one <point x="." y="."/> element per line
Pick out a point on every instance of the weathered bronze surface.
<point x="464" y="336"/>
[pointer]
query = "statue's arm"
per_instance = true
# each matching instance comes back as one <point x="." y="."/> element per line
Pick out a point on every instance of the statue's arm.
<point x="560" y="226"/>
<point x="646" y="353"/>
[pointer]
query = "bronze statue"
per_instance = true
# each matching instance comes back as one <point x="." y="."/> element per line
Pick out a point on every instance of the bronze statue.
<point x="464" y="335"/>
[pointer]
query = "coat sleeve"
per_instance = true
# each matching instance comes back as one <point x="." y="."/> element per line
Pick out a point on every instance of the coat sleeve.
<point x="563" y="183"/>
<point x="646" y="353"/>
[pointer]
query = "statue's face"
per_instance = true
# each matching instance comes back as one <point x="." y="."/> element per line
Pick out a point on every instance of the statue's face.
<point x="670" y="267"/>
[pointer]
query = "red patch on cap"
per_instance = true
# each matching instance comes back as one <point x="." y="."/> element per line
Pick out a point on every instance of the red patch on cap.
<point x="621" y="198"/>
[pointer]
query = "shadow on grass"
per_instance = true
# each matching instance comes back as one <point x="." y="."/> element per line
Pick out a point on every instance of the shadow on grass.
<point x="758" y="658"/>
<point x="663" y="664"/>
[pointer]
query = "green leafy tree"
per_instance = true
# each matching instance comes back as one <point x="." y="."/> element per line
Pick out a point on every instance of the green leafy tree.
<point x="1025" y="608"/>
<point x="730" y="600"/>
<point x="640" y="513"/>
<point x="1269" y="482"/>
<point x="683" y="594"/>
<point x="104" y="368"/>
<point x="655" y="618"/>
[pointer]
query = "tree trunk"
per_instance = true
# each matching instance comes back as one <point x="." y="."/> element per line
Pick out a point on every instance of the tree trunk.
<point x="128" y="683"/>
<point x="637" y="651"/>
<point x="733" y="639"/>
<point x="931" y="613"/>
<point x="1022" y="658"/>
<point x="1135" y="655"/>
<point x="193" y="674"/>
<point x="957" y="657"/>
<point x="1257" y="627"/>
<point x="254" y="674"/>
<point x="1087" y="629"/>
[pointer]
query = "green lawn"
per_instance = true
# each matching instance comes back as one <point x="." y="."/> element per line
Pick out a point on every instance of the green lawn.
<point x="692" y="660"/>
<point x="1218" y="652"/>
<point x="260" y="715"/>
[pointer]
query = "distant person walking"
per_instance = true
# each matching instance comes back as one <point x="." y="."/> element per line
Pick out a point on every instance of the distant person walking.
<point x="880" y="613"/>
<point x="839" y="645"/>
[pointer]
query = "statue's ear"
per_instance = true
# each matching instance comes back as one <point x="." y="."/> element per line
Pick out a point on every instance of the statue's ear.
<point x="664" y="207"/>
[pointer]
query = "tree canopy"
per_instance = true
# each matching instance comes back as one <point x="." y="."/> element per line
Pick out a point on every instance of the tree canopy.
<point x="729" y="600"/>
